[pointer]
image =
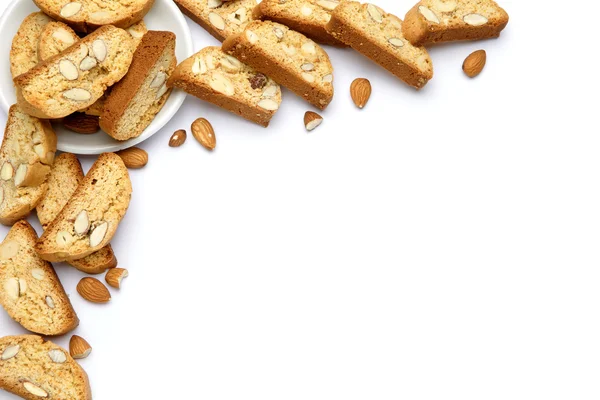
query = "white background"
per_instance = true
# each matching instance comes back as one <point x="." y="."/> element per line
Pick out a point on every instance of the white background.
<point x="440" y="244"/>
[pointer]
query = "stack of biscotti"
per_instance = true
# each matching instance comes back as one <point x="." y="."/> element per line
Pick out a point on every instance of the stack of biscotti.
<point x="31" y="292"/>
<point x="288" y="57"/>
<point x="221" y="19"/>
<point x="89" y="220"/>
<point x="308" y="17"/>
<point x="34" y="369"/>
<point x="134" y="101"/>
<point x="221" y="79"/>
<point x="65" y="177"/>
<point x="26" y="156"/>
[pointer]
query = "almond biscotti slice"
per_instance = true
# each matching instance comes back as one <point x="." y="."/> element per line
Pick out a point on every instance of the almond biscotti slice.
<point x="26" y="155"/>
<point x="91" y="217"/>
<point x="220" y="18"/>
<point x="77" y="77"/>
<point x="63" y="180"/>
<point x="24" y="49"/>
<point x="308" y="17"/>
<point x="137" y="32"/>
<point x="436" y="21"/>
<point x="221" y="79"/>
<point x="31" y="292"/>
<point x="55" y="38"/>
<point x="288" y="57"/>
<point x="378" y="35"/>
<point x="89" y="15"/>
<point x="134" y="101"/>
<point x="35" y="369"/>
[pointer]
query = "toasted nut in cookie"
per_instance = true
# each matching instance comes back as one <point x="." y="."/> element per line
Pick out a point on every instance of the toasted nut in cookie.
<point x="93" y="290"/>
<point x="204" y="133"/>
<point x="79" y="347"/>
<point x="134" y="157"/>
<point x="312" y="120"/>
<point x="114" y="277"/>
<point x="360" y="90"/>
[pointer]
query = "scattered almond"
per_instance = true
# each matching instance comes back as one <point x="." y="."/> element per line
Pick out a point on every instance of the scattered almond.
<point x="134" y="157"/>
<point x="312" y="120"/>
<point x="93" y="290"/>
<point x="79" y="347"/>
<point x="82" y="123"/>
<point x="178" y="138"/>
<point x="204" y="133"/>
<point x="360" y="90"/>
<point x="114" y="276"/>
<point x="474" y="63"/>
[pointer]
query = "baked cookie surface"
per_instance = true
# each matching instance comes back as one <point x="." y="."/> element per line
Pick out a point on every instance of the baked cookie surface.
<point x="24" y="49"/>
<point x="55" y="38"/>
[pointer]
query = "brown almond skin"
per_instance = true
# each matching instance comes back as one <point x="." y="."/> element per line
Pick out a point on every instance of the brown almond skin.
<point x="93" y="290"/>
<point x="204" y="133"/>
<point x="178" y="138"/>
<point x="309" y="117"/>
<point x="114" y="276"/>
<point x="134" y="157"/>
<point x="360" y="91"/>
<point x="82" y="123"/>
<point x="474" y="63"/>
<point x="78" y="347"/>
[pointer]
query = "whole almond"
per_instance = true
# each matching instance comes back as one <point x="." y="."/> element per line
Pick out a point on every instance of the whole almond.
<point x="134" y="157"/>
<point x="204" y="133"/>
<point x="93" y="290"/>
<point x="79" y="347"/>
<point x="82" y="123"/>
<point x="312" y="120"/>
<point x="474" y="63"/>
<point x="178" y="138"/>
<point x="114" y="276"/>
<point x="360" y="90"/>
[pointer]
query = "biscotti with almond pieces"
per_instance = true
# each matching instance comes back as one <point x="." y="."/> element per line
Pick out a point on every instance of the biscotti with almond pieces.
<point x="55" y="38"/>
<point x="308" y="17"/>
<point x="77" y="77"/>
<point x="136" y="99"/>
<point x="24" y="49"/>
<point x="378" y="35"/>
<point x="63" y="180"/>
<point x="288" y="57"/>
<point x="90" y="219"/>
<point x="34" y="369"/>
<point x="89" y="15"/>
<point x="220" y="19"/>
<point x="31" y="292"/>
<point x="223" y="80"/>
<point x="26" y="156"/>
<point x="437" y="21"/>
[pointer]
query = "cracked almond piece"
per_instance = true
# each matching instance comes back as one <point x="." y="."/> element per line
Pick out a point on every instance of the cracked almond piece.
<point x="31" y="293"/>
<point x="26" y="156"/>
<point x="134" y="102"/>
<point x="308" y="17"/>
<point x="220" y="19"/>
<point x="54" y="39"/>
<point x="34" y="369"/>
<point x="288" y="57"/>
<point x="223" y="80"/>
<point x="378" y="36"/>
<point x="89" y="15"/>
<point x="76" y="78"/>
<point x="64" y="178"/>
<point x="24" y="48"/>
<point x="437" y="21"/>
<point x="104" y="195"/>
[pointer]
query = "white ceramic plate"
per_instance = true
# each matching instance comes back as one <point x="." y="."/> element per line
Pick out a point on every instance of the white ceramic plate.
<point x="164" y="16"/>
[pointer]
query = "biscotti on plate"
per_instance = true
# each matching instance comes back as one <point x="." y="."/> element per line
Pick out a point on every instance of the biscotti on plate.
<point x="88" y="15"/>
<point x="137" y="32"/>
<point x="220" y="19"/>
<point x="221" y="79"/>
<point x="436" y="21"/>
<point x="55" y="38"/>
<point x="24" y="49"/>
<point x="308" y="17"/>
<point x="63" y="180"/>
<point x="288" y="57"/>
<point x="134" y="101"/>
<point x="26" y="155"/>
<point x="77" y="77"/>
<point x="31" y="292"/>
<point x="90" y="219"/>
<point x="35" y="369"/>
<point x="378" y="35"/>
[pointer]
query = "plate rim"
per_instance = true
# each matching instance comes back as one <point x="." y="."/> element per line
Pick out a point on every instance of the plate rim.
<point x="176" y="98"/>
